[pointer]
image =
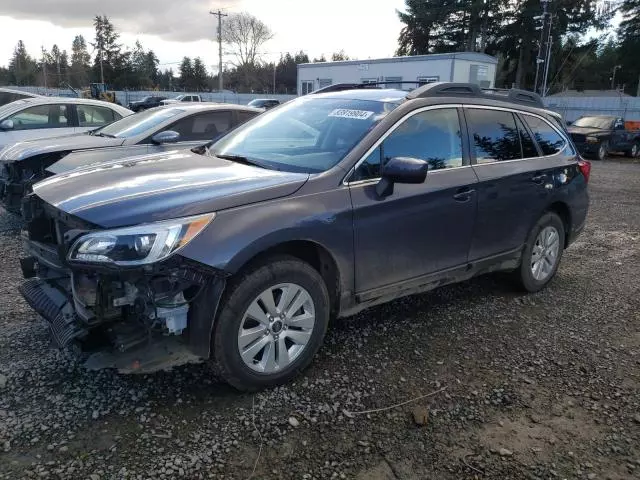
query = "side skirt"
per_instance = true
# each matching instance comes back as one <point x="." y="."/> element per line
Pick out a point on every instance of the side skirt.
<point x="502" y="262"/>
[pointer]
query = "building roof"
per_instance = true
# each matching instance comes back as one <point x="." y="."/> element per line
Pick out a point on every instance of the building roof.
<point x="472" y="56"/>
<point x="590" y="93"/>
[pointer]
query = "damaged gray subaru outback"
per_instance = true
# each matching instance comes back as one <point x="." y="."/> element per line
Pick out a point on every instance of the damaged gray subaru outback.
<point x="239" y="253"/>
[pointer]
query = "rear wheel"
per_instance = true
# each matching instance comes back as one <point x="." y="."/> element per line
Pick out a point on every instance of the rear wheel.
<point x="634" y="151"/>
<point x="542" y="253"/>
<point x="271" y="323"/>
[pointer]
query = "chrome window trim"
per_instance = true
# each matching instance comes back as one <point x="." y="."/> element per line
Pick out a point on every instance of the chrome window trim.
<point x="522" y="112"/>
<point x="389" y="132"/>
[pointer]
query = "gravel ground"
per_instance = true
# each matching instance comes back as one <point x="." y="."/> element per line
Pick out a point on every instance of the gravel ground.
<point x="539" y="386"/>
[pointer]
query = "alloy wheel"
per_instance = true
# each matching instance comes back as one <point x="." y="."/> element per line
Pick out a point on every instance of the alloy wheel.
<point x="544" y="255"/>
<point x="276" y="328"/>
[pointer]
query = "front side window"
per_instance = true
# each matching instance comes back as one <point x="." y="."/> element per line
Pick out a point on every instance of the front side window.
<point x="133" y="125"/>
<point x="494" y="135"/>
<point x="93" y="116"/>
<point x="202" y="127"/>
<point x="41" y="116"/>
<point x="549" y="140"/>
<point x="309" y="134"/>
<point x="433" y="135"/>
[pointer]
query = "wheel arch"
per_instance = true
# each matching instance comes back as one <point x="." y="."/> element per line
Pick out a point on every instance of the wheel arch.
<point x="309" y="251"/>
<point x="562" y="210"/>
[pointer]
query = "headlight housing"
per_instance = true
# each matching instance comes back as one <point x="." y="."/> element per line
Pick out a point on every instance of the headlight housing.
<point x="139" y="245"/>
<point x="593" y="140"/>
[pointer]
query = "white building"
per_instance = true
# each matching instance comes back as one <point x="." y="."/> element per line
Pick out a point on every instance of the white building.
<point x="442" y="67"/>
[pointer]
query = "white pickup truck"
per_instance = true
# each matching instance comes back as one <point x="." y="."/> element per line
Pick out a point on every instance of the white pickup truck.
<point x="182" y="98"/>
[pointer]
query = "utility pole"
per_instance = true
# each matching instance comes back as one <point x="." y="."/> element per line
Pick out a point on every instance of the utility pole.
<point x="219" y="14"/>
<point x="544" y="48"/>
<point x="613" y="77"/>
<point x="44" y="66"/>
<point x="274" y="77"/>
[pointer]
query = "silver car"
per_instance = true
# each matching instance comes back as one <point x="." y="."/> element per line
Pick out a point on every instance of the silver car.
<point x="41" y="117"/>
<point x="151" y="131"/>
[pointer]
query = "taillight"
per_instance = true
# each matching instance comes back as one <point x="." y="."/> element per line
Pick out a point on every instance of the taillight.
<point x="585" y="168"/>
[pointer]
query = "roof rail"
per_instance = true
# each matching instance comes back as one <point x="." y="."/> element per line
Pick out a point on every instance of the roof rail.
<point x="472" y="90"/>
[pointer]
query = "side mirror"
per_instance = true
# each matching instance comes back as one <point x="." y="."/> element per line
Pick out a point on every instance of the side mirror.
<point x="401" y="170"/>
<point x="168" y="136"/>
<point x="6" y="125"/>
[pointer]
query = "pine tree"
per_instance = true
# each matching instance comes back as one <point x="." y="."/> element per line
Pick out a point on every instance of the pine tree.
<point x="629" y="57"/>
<point x="186" y="73"/>
<point x="199" y="74"/>
<point x="22" y="68"/>
<point x="80" y="58"/>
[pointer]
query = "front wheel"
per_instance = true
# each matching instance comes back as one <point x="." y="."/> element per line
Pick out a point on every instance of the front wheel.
<point x="272" y="322"/>
<point x="542" y="253"/>
<point x="603" y="149"/>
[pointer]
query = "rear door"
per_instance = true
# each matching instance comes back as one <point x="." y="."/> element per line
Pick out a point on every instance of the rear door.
<point x="418" y="229"/>
<point x="91" y="117"/>
<point x="514" y="174"/>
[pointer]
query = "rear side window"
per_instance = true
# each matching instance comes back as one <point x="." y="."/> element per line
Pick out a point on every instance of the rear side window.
<point x="549" y="140"/>
<point x="433" y="136"/>
<point x="494" y="135"/>
<point x="94" y="116"/>
<point x="244" y="116"/>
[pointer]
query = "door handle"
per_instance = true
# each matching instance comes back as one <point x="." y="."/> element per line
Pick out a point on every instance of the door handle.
<point x="463" y="194"/>
<point x="539" y="179"/>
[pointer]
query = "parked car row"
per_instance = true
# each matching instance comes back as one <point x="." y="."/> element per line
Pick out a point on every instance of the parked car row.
<point x="238" y="252"/>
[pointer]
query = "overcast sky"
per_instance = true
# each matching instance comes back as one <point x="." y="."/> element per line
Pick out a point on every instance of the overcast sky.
<point x="173" y="29"/>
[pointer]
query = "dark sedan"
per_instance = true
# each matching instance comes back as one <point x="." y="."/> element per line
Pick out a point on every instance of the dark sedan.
<point x="146" y="103"/>
<point x="152" y="131"/>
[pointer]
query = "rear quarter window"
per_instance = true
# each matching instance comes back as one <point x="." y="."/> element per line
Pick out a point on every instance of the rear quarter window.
<point x="548" y="139"/>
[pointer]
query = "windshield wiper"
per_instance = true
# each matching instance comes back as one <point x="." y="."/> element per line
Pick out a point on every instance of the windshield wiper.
<point x="241" y="159"/>
<point x="107" y="135"/>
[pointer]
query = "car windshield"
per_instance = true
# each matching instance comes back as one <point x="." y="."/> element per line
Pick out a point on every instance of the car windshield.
<point x="133" y="125"/>
<point x="179" y="97"/>
<point x="306" y="135"/>
<point x="594" y="122"/>
<point x="257" y="103"/>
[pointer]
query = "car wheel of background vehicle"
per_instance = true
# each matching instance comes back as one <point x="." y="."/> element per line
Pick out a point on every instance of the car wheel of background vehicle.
<point x="602" y="151"/>
<point x="272" y="321"/>
<point x="542" y="253"/>
<point x="634" y="151"/>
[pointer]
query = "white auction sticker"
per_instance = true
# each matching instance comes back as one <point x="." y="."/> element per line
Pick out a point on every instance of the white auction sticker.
<point x="347" y="113"/>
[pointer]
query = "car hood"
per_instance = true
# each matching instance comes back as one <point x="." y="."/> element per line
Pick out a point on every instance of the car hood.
<point x="586" y="131"/>
<point x="27" y="149"/>
<point x="162" y="186"/>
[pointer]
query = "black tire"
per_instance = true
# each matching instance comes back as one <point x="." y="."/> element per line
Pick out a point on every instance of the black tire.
<point x="634" y="151"/>
<point x="602" y="152"/>
<point x="524" y="274"/>
<point x="240" y="293"/>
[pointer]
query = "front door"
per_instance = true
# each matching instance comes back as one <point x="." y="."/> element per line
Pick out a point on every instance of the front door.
<point x="418" y="229"/>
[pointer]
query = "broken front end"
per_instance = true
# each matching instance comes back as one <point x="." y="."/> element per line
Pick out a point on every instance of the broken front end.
<point x="121" y="296"/>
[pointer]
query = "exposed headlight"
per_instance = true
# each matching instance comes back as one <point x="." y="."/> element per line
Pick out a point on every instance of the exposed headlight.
<point x="139" y="245"/>
<point x="593" y="140"/>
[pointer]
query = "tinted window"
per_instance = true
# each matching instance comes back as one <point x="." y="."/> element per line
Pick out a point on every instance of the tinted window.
<point x="41" y="116"/>
<point x="529" y="149"/>
<point x="309" y="134"/>
<point x="548" y="139"/>
<point x="133" y="125"/>
<point x="433" y="136"/>
<point x="93" y="116"/>
<point x="494" y="135"/>
<point x="244" y="116"/>
<point x="202" y="127"/>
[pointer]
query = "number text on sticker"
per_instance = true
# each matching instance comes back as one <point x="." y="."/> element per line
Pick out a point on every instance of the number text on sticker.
<point x="347" y="113"/>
